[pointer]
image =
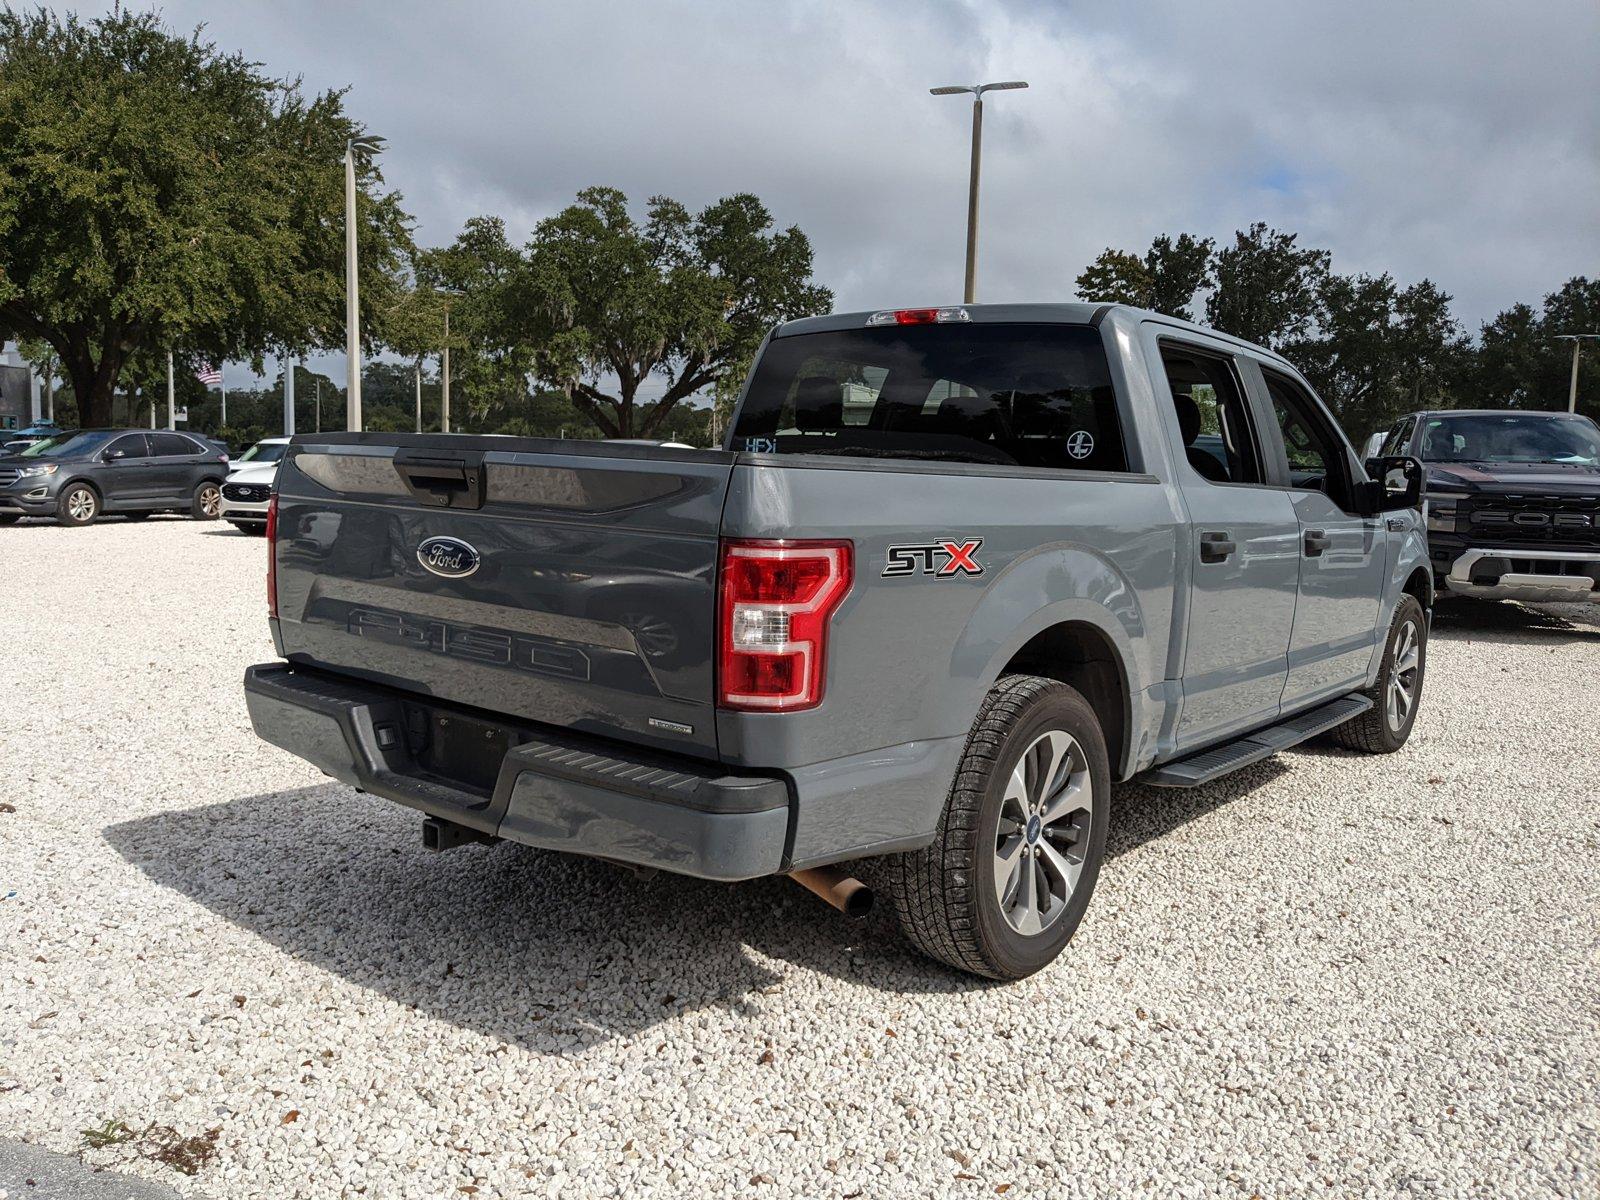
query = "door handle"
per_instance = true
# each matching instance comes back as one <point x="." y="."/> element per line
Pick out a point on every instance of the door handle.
<point x="1316" y="543"/>
<point x="1214" y="547"/>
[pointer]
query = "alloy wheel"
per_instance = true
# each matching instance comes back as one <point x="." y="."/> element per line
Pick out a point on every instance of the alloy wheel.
<point x="81" y="504"/>
<point x="1401" y="694"/>
<point x="1043" y="832"/>
<point x="210" y="500"/>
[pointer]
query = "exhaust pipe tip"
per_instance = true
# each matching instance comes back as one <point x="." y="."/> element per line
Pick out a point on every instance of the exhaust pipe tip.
<point x="845" y="892"/>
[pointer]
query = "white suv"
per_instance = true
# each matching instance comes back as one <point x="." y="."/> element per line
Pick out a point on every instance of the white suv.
<point x="248" y="488"/>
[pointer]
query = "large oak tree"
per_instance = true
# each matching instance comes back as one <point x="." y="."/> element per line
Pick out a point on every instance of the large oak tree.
<point x="608" y="302"/>
<point x="157" y="193"/>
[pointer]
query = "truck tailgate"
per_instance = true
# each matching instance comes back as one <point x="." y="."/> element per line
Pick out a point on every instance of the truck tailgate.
<point x="566" y="583"/>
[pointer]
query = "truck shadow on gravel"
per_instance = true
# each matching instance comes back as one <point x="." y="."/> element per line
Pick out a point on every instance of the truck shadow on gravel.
<point x="544" y="950"/>
<point x="1504" y="623"/>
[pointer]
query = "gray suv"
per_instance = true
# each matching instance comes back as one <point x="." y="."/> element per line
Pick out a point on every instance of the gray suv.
<point x="76" y="476"/>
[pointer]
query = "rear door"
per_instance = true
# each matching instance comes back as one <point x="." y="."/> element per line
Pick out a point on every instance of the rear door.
<point x="176" y="461"/>
<point x="1343" y="556"/>
<point x="1244" y="564"/>
<point x="565" y="583"/>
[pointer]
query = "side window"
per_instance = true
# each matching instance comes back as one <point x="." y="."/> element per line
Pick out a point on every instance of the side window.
<point x="1398" y="437"/>
<point x="1212" y="416"/>
<point x="131" y="446"/>
<point x="167" y="444"/>
<point x="1315" y="452"/>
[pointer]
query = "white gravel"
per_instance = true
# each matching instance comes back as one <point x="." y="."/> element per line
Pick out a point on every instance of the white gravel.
<point x="1332" y="976"/>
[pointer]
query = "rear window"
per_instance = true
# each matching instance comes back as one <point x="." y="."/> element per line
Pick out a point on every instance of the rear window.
<point x="1019" y="395"/>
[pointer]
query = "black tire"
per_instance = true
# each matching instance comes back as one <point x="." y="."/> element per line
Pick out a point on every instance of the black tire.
<point x="78" y="504"/>
<point x="137" y="514"/>
<point x="945" y="895"/>
<point x="206" y="502"/>
<point x="10" y="518"/>
<point x="1376" y="731"/>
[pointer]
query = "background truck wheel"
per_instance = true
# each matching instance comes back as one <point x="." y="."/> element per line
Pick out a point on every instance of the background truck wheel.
<point x="1384" y="727"/>
<point x="207" y="501"/>
<point x="138" y="514"/>
<point x="9" y="518"/>
<point x="78" y="505"/>
<point x="1008" y="876"/>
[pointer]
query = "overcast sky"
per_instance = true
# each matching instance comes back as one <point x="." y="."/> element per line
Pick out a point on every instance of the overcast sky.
<point x="1453" y="139"/>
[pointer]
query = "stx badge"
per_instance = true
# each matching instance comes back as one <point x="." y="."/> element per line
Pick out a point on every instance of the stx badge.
<point x="935" y="558"/>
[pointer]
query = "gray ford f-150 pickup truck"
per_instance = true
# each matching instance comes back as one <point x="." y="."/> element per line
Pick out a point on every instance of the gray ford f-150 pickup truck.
<point x="956" y="572"/>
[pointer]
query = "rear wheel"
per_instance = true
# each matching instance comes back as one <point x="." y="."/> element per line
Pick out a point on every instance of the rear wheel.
<point x="1007" y="879"/>
<point x="1386" y="726"/>
<point x="207" y="502"/>
<point x="78" y="505"/>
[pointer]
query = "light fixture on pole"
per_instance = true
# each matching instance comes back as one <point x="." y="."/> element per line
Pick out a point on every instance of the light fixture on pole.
<point x="1577" y="345"/>
<point x="365" y="146"/>
<point x="977" y="90"/>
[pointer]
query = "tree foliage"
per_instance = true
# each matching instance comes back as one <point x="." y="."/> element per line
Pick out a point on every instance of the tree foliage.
<point x="158" y="193"/>
<point x="1266" y="287"/>
<point x="608" y="302"/>
<point x="1165" y="279"/>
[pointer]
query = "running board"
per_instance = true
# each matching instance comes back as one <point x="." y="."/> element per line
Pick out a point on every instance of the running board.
<point x="1263" y="743"/>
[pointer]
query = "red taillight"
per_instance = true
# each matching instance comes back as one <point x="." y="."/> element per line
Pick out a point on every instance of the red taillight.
<point x="272" y="556"/>
<point x="774" y="605"/>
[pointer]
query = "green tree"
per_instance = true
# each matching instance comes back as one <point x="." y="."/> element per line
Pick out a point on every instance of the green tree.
<point x="1115" y="277"/>
<point x="1378" y="350"/>
<point x="687" y="297"/>
<point x="157" y="193"/>
<point x="492" y="361"/>
<point x="1165" y="279"/>
<point x="1520" y="363"/>
<point x="1267" y="287"/>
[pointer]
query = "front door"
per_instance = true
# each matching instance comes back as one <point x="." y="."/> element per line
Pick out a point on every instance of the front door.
<point x="1244" y="550"/>
<point x="1343" y="556"/>
<point x="128" y="479"/>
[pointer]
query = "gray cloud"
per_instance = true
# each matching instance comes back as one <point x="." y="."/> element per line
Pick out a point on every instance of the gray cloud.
<point x="1457" y="139"/>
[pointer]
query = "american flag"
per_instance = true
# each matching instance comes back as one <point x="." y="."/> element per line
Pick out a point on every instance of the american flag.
<point x="209" y="375"/>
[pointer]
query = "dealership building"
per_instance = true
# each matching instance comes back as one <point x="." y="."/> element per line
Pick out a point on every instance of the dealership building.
<point x="19" y="390"/>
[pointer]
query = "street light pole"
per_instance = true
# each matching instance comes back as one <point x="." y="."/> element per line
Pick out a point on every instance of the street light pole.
<point x="444" y="375"/>
<point x="172" y="422"/>
<point x="288" y="399"/>
<point x="364" y="145"/>
<point x="970" y="293"/>
<point x="1577" y="345"/>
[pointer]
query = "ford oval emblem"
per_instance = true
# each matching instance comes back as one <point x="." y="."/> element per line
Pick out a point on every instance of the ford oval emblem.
<point x="448" y="556"/>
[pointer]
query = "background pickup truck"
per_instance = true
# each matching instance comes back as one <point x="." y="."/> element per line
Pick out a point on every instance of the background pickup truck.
<point x="1513" y="501"/>
<point x="956" y="572"/>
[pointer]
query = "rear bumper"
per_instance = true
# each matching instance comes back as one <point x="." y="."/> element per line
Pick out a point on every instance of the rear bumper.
<point x="555" y="790"/>
<point x="1530" y="575"/>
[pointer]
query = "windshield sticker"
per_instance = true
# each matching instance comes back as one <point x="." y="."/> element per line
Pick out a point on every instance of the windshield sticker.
<point x="1080" y="443"/>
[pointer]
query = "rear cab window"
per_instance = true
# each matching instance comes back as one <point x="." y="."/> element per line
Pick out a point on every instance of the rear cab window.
<point x="1037" y="396"/>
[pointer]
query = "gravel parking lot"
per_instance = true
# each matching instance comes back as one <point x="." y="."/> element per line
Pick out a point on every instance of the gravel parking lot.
<point x="1330" y="975"/>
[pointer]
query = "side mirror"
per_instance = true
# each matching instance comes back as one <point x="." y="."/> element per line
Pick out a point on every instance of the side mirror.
<point x="112" y="455"/>
<point x="1395" y="483"/>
